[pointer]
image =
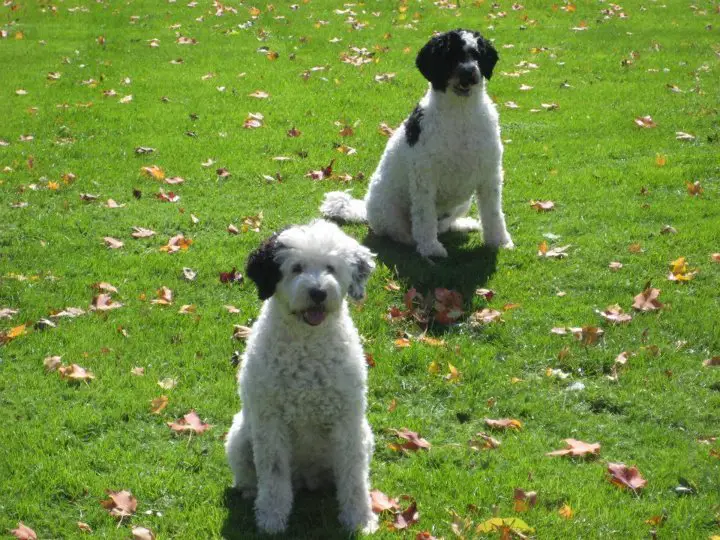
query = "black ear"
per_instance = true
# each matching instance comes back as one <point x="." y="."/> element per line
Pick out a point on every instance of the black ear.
<point x="362" y="266"/>
<point x="263" y="269"/>
<point x="488" y="55"/>
<point x="433" y="60"/>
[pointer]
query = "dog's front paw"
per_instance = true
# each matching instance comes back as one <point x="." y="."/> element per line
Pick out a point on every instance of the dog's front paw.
<point x="271" y="521"/>
<point x="432" y="249"/>
<point x="367" y="523"/>
<point x="501" y="241"/>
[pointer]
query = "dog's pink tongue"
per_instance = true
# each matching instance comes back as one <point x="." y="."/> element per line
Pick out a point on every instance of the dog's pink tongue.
<point x="314" y="316"/>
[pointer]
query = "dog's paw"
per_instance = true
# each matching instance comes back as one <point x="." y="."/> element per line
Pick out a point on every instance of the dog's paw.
<point x="366" y="523"/>
<point x="432" y="249"/>
<point x="501" y="241"/>
<point x="270" y="521"/>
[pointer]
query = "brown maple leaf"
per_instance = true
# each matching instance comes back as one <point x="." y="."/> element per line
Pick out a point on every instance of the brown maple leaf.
<point x="154" y="172"/>
<point x="158" y="404"/>
<point x="624" y="476"/>
<point x="233" y="276"/>
<point x="414" y="440"/>
<point x="448" y="306"/>
<point x="407" y="517"/>
<point x="190" y="422"/>
<point x="645" y="122"/>
<point x="120" y="504"/>
<point x="485" y="442"/>
<point x="485" y="316"/>
<point x="177" y="243"/>
<point x="113" y="243"/>
<point x="577" y="448"/>
<point x="648" y="299"/>
<point x="504" y="423"/>
<point x="323" y="173"/>
<point x="712" y="362"/>
<point x="165" y="296"/>
<point x="141" y="232"/>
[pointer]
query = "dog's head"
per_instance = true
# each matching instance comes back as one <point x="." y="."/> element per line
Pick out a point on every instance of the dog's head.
<point x="457" y="59"/>
<point x="310" y="268"/>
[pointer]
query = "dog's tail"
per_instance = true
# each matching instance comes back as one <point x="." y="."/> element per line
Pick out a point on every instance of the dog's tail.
<point x="340" y="206"/>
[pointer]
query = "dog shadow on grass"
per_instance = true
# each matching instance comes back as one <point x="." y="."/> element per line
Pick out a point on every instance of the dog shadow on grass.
<point x="467" y="266"/>
<point x="314" y="515"/>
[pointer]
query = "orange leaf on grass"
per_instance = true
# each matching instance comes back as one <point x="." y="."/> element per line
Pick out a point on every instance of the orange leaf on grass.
<point x="624" y="476"/>
<point x="165" y="296"/>
<point x="11" y="334"/>
<point x="190" y="422"/>
<point x="120" y="504"/>
<point x="153" y="171"/>
<point x="524" y="500"/>
<point x="715" y="257"/>
<point x="176" y="243"/>
<point x="158" y="404"/>
<point x="577" y="448"/>
<point x="694" y="189"/>
<point x="566" y="512"/>
<point x="504" y="423"/>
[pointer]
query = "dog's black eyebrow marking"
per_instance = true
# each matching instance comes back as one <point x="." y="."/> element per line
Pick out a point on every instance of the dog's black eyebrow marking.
<point x="412" y="126"/>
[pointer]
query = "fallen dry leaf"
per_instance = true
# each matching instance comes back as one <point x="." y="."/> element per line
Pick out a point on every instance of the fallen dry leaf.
<point x="648" y="299"/>
<point x="158" y="404"/>
<point x="485" y="293"/>
<point x="177" y="243"/>
<point x="167" y="383"/>
<point x="484" y="442"/>
<point x="504" y="423"/>
<point x="414" y="440"/>
<point x="694" y="188"/>
<point x="524" y="500"/>
<point x="164" y="296"/>
<point x="680" y="272"/>
<point x="542" y="206"/>
<point x="11" y="334"/>
<point x="140" y="232"/>
<point x="712" y="362"/>
<point x="577" y="448"/>
<point x="241" y="332"/>
<point x="121" y="504"/>
<point x="507" y="527"/>
<point x="233" y="276"/>
<point x="253" y="121"/>
<point x="645" y="122"/>
<point x="153" y="171"/>
<point x="381" y="502"/>
<point x="7" y="313"/>
<point x="615" y="314"/>
<point x="23" y="532"/>
<point x="52" y="363"/>
<point x="566" y="512"/>
<point x="588" y="335"/>
<point x="84" y="527"/>
<point x="448" y="306"/>
<point x="485" y="316"/>
<point x="138" y="371"/>
<point x="113" y="243"/>
<point x="73" y="372"/>
<point x="624" y="476"/>
<point x="407" y="517"/>
<point x="190" y="422"/>
<point x="142" y="533"/>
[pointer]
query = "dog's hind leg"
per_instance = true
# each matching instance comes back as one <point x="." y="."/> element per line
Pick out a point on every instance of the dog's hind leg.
<point x="238" y="448"/>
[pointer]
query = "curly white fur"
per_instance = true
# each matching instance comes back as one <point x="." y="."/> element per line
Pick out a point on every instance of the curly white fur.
<point x="303" y="380"/>
<point x="448" y="150"/>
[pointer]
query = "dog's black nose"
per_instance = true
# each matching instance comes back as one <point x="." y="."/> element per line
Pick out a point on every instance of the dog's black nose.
<point x="468" y="74"/>
<point x="317" y="295"/>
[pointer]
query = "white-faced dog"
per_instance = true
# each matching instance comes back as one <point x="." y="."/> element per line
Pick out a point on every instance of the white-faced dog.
<point x="447" y="150"/>
<point x="303" y="378"/>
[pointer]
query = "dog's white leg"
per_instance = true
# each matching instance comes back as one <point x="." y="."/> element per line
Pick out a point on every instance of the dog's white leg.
<point x="489" y="195"/>
<point x="271" y="449"/>
<point x="238" y="447"/>
<point x="457" y="220"/>
<point x="352" y="451"/>
<point x="423" y="214"/>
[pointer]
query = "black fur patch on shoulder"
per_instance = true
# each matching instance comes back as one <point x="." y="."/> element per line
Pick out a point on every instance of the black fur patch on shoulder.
<point x="413" y="127"/>
<point x="263" y="269"/>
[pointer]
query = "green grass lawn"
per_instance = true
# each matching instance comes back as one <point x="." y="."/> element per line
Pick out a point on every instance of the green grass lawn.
<point x="615" y="185"/>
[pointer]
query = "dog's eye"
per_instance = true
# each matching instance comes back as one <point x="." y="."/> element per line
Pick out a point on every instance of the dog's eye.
<point x="330" y="268"/>
<point x="297" y="268"/>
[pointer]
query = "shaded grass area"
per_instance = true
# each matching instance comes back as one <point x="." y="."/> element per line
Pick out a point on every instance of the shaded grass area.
<point x="64" y="445"/>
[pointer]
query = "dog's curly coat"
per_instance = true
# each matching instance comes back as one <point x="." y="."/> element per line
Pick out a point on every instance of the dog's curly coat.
<point x="448" y="149"/>
<point x="303" y="378"/>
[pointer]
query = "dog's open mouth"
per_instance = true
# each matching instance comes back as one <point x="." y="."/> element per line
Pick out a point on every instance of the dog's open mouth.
<point x="462" y="89"/>
<point x="314" y="315"/>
